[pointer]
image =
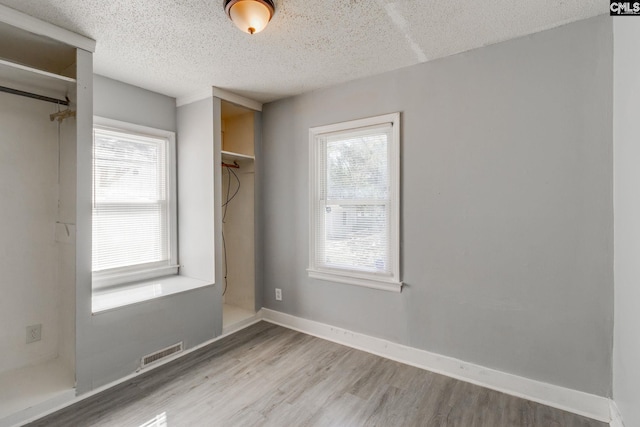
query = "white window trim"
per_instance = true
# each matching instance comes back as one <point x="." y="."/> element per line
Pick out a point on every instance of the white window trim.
<point x="352" y="277"/>
<point x="127" y="275"/>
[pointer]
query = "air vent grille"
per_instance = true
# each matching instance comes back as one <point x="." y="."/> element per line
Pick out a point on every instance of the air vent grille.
<point x="161" y="354"/>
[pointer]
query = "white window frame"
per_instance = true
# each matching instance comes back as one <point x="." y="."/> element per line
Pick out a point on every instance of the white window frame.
<point x="390" y="282"/>
<point x="126" y="275"/>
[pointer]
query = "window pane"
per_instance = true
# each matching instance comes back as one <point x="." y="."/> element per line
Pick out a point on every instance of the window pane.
<point x="356" y="237"/>
<point x="357" y="167"/>
<point x="354" y="172"/>
<point x="128" y="235"/>
<point x="128" y="169"/>
<point x="130" y="209"/>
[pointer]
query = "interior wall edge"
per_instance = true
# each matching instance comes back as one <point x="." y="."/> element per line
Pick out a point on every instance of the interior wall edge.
<point x="616" y="417"/>
<point x="237" y="99"/>
<point x="181" y="101"/>
<point x="626" y="99"/>
<point x="34" y="25"/>
<point x="84" y="190"/>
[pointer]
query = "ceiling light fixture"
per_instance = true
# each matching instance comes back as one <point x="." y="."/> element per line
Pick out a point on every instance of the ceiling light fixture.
<point x="251" y="16"/>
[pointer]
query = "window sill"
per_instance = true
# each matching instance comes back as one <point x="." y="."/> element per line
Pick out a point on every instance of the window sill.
<point x="135" y="293"/>
<point x="380" y="284"/>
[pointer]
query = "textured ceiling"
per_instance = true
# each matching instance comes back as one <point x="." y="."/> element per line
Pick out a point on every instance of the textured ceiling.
<point x="180" y="47"/>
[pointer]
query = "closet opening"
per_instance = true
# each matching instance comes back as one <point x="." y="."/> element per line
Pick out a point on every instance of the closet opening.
<point x="37" y="223"/>
<point x="237" y="174"/>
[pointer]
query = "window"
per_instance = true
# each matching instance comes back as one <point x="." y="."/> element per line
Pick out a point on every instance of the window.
<point x="354" y="202"/>
<point x="134" y="209"/>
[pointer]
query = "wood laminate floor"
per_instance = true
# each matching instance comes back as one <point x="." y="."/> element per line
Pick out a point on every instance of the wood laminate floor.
<point x="267" y="375"/>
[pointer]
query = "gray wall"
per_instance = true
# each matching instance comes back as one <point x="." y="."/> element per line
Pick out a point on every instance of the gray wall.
<point x="507" y="232"/>
<point x="199" y="192"/>
<point x="120" y="101"/>
<point x="626" y="350"/>
<point x="110" y="344"/>
<point x="195" y="190"/>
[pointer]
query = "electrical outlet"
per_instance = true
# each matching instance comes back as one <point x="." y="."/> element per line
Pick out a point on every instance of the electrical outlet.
<point x="34" y="333"/>
<point x="278" y="294"/>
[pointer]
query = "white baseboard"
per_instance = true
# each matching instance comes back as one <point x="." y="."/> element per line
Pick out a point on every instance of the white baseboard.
<point x="242" y="324"/>
<point x="588" y="405"/>
<point x="616" y="417"/>
<point x="32" y="412"/>
<point x="22" y="419"/>
<point x="596" y="407"/>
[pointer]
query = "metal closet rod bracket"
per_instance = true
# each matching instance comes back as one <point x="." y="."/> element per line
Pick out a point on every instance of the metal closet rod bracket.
<point x="235" y="165"/>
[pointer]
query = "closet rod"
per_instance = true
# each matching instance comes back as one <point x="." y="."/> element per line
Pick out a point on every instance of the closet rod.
<point x="33" y="95"/>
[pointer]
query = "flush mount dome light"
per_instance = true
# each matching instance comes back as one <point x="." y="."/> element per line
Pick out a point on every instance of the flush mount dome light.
<point x="251" y="16"/>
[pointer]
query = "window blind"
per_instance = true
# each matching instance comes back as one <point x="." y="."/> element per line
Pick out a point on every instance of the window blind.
<point x="353" y="227"/>
<point x="130" y="202"/>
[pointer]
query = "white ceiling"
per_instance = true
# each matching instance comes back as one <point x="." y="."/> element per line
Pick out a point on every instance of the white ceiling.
<point x="180" y="47"/>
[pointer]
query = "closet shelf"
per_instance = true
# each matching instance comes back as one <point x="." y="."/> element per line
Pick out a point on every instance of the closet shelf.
<point x="22" y="77"/>
<point x="229" y="155"/>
